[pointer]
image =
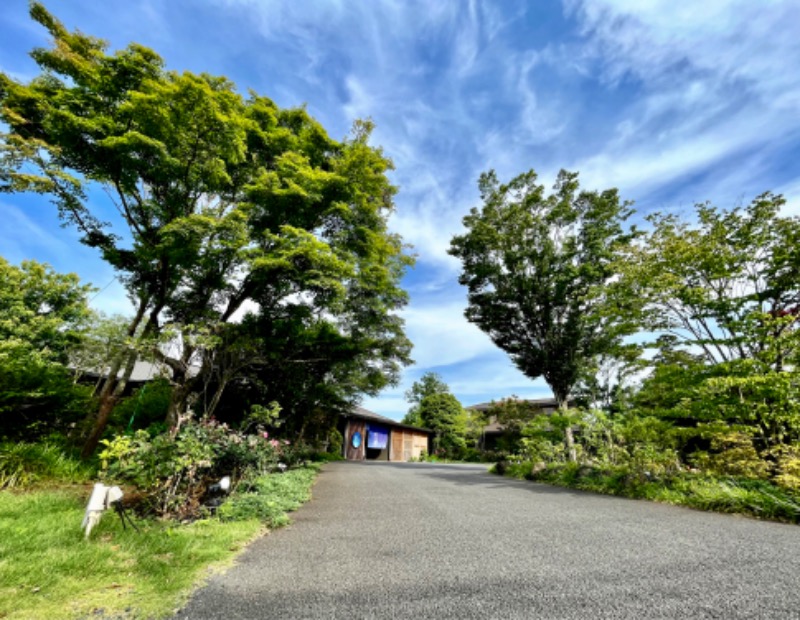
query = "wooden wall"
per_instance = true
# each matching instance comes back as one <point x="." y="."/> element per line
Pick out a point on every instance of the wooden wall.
<point x="408" y="444"/>
<point x="404" y="444"/>
<point x="396" y="453"/>
<point x="351" y="453"/>
<point x="419" y="444"/>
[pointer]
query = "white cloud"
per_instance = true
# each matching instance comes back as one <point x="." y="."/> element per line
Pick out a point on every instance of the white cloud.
<point x="713" y="85"/>
<point x="791" y="192"/>
<point x="19" y="230"/>
<point x="442" y="336"/>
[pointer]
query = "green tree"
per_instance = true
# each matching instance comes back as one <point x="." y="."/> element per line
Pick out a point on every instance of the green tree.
<point x="513" y="415"/>
<point x="444" y="415"/>
<point x="540" y="272"/>
<point x="428" y="384"/>
<point x="42" y="314"/>
<point x="43" y="309"/>
<point x="724" y="292"/>
<point x="727" y="284"/>
<point x="311" y="366"/>
<point x="223" y="201"/>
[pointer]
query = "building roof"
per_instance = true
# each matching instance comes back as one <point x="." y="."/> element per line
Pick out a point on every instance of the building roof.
<point x="142" y="371"/>
<point x="366" y="414"/>
<point x="494" y="426"/>
<point x="541" y="402"/>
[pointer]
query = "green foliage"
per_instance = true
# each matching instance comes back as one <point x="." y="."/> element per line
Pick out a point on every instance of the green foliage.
<point x="723" y="292"/>
<point x="41" y="317"/>
<point x="269" y="497"/>
<point x="514" y="415"/>
<point x="731" y="452"/>
<point x="444" y="415"/>
<point x="41" y="309"/>
<point x="145" y="407"/>
<point x="37" y="396"/>
<point x="734" y="495"/>
<point x="23" y="464"/>
<point x="261" y="417"/>
<point x="540" y="274"/>
<point x="224" y="200"/>
<point x="173" y="473"/>
<point x="428" y="384"/>
<point x="727" y="284"/>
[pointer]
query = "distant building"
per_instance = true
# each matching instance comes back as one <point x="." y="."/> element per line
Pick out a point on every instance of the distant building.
<point x="494" y="432"/>
<point x="369" y="436"/>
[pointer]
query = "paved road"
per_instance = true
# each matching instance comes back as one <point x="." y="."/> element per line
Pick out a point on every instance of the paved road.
<point x="419" y="541"/>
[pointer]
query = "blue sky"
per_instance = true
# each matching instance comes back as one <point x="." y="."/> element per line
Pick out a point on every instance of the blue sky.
<point x="672" y="102"/>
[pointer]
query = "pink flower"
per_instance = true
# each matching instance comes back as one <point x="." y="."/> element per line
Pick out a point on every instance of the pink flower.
<point x="265" y="434"/>
<point x="274" y="443"/>
<point x="285" y="442"/>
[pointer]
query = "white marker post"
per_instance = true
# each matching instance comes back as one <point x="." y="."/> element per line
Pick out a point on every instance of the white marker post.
<point x="101" y="499"/>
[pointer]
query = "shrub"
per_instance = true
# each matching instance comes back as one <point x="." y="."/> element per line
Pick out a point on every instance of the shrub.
<point x="269" y="497"/>
<point x="37" y="396"/>
<point x="173" y="473"/>
<point x="23" y="464"/>
<point x="788" y="467"/>
<point x="732" y="453"/>
<point x="145" y="407"/>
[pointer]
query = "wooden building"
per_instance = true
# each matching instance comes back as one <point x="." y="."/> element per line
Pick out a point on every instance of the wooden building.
<point x="369" y="436"/>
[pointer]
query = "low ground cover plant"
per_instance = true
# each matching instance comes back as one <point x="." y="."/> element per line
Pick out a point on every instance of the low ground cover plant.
<point x="48" y="570"/>
<point x="707" y="466"/>
<point x="757" y="498"/>
<point x="171" y="475"/>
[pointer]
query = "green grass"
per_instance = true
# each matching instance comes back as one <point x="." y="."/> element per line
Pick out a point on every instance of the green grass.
<point x="269" y="498"/>
<point x="24" y="464"/>
<point x="755" y="498"/>
<point x="48" y="570"/>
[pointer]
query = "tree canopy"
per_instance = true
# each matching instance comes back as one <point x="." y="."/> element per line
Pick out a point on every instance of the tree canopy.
<point x="539" y="272"/>
<point x="428" y="384"/>
<point x="226" y="205"/>
<point x="42" y="317"/>
<point x="443" y="414"/>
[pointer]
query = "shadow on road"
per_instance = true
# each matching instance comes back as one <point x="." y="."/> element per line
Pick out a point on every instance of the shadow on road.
<point x="474" y="474"/>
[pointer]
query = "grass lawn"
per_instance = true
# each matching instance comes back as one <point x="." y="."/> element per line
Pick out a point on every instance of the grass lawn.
<point x="48" y="570"/>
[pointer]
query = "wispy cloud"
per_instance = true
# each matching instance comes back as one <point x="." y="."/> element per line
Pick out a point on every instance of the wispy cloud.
<point x="710" y="82"/>
<point x="21" y="237"/>
<point x="442" y="336"/>
<point x="674" y="103"/>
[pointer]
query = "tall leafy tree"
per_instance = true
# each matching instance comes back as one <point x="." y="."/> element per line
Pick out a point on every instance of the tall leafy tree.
<point x="443" y="414"/>
<point x="727" y="283"/>
<point x="42" y="316"/>
<point x="540" y="274"/>
<point x="723" y="289"/>
<point x="428" y="384"/>
<point x="225" y="203"/>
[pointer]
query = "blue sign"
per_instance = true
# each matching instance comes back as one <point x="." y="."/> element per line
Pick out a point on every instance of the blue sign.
<point x="355" y="439"/>
<point x="377" y="437"/>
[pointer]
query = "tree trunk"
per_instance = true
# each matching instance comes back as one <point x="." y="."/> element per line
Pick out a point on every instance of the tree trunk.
<point x="114" y="386"/>
<point x="182" y="387"/>
<point x="107" y="403"/>
<point x="570" y="441"/>
<point x="215" y="399"/>
<point x="569" y="437"/>
<point x="178" y="404"/>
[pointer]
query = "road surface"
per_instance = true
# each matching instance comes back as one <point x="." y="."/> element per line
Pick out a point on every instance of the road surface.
<point x="417" y="540"/>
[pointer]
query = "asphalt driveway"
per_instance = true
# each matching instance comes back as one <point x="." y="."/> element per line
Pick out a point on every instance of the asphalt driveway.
<point x="418" y="540"/>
